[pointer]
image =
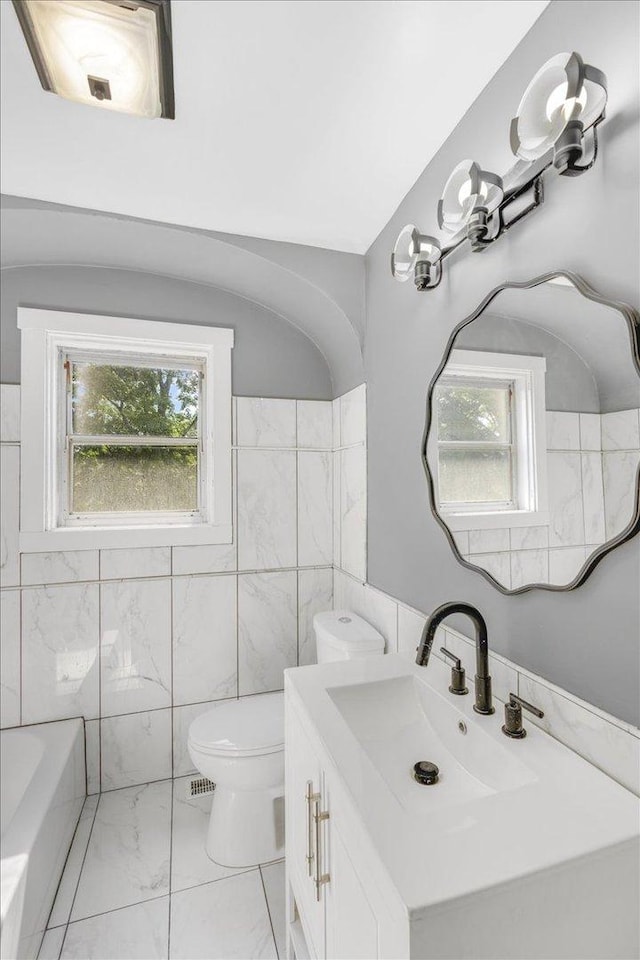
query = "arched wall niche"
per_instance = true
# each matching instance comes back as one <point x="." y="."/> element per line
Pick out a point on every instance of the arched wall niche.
<point x="287" y="326"/>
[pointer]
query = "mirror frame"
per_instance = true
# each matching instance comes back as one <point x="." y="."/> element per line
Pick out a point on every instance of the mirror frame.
<point x="632" y="319"/>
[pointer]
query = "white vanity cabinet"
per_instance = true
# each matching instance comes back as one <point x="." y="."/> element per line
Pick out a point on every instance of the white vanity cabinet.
<point x="351" y="928"/>
<point x="337" y="905"/>
<point x="523" y="850"/>
<point x="304" y="786"/>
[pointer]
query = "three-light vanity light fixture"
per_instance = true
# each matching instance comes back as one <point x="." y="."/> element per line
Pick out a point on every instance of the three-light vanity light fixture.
<point x="565" y="100"/>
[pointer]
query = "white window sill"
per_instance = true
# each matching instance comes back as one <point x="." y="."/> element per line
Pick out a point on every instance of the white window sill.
<point x="495" y="521"/>
<point x="99" y="538"/>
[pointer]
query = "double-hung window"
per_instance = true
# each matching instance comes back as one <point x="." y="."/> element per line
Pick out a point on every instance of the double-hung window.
<point x="132" y="446"/>
<point x="477" y="456"/>
<point x="127" y="431"/>
<point x="490" y="433"/>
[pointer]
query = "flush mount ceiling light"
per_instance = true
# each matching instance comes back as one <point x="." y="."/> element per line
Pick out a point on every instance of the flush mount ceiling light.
<point x="115" y="54"/>
<point x="418" y="256"/>
<point x="470" y="197"/>
<point x="565" y="100"/>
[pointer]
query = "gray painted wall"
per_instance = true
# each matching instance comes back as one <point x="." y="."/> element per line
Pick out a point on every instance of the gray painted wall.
<point x="597" y="333"/>
<point x="271" y="358"/>
<point x="569" y="383"/>
<point x="587" y="640"/>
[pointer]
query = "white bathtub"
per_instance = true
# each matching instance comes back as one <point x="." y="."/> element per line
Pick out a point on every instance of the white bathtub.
<point x="43" y="787"/>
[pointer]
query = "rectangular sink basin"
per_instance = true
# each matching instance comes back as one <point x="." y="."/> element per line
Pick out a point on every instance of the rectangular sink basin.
<point x="401" y="721"/>
<point x="505" y="808"/>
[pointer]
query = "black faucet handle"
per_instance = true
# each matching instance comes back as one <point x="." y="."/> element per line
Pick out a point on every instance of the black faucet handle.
<point x="458" y="683"/>
<point x="514" y="698"/>
<point x="455" y="660"/>
<point x="513" y="716"/>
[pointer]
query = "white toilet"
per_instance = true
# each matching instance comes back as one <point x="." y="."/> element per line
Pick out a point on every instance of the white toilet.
<point x="343" y="635"/>
<point x="239" y="745"/>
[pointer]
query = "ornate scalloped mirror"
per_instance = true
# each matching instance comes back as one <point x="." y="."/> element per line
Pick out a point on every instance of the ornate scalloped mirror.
<point x="532" y="440"/>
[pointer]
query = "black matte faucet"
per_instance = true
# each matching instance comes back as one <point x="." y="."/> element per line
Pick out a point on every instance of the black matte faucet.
<point x="483" y="702"/>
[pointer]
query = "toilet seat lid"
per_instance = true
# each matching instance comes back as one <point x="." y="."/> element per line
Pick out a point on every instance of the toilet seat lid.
<point x="251" y="725"/>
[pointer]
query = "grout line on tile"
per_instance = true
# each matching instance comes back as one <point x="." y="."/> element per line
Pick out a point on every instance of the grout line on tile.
<point x="170" y="850"/>
<point x="145" y="783"/>
<point x="298" y="619"/>
<point x="205" y="883"/>
<point x="21" y="654"/>
<point x="99" y="688"/>
<point x="80" y="872"/>
<point x="164" y="576"/>
<point x="236" y="485"/>
<point x="47" y="927"/>
<point x="171" y="697"/>
<point x="297" y="508"/>
<point x="266" y="900"/>
<point x="126" y="906"/>
<point x="237" y="631"/>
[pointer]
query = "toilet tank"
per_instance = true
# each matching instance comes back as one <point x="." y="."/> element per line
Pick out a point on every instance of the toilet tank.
<point x="343" y="635"/>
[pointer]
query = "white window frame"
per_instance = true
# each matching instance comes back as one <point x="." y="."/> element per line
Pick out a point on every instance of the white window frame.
<point x="46" y="335"/>
<point x="528" y="377"/>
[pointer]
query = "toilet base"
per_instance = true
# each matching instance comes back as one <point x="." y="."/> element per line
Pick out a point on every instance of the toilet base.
<point x="246" y="827"/>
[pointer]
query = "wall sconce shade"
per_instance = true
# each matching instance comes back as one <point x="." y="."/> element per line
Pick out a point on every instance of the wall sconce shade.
<point x="564" y="94"/>
<point x="468" y="191"/>
<point x="416" y="255"/>
<point x="111" y="53"/>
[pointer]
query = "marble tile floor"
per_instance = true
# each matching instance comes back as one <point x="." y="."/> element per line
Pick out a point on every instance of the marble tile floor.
<point x="138" y="885"/>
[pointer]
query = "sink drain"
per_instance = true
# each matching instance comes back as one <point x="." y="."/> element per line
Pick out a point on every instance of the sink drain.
<point x="425" y="772"/>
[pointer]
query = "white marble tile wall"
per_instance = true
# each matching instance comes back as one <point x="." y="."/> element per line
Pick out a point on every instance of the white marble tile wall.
<point x="60" y="652"/>
<point x="350" y="482"/>
<point x="265" y="423"/>
<point x="620" y="445"/>
<point x="592" y="461"/>
<point x="315" y="594"/>
<point x="315" y="506"/>
<point x="9" y="413"/>
<point x="267" y="629"/>
<point x="139" y="641"/>
<point x="135" y="748"/>
<point x="621" y="458"/>
<point x="266" y="509"/>
<point x="10" y="658"/>
<point x="607" y="742"/>
<point x="9" y="513"/>
<point x="67" y="566"/>
<point x="621" y="430"/>
<point x="205" y="652"/>
<point x="135" y="646"/>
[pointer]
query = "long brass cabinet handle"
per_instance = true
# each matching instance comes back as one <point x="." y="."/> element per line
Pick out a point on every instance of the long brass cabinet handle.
<point x="310" y="797"/>
<point x="318" y="818"/>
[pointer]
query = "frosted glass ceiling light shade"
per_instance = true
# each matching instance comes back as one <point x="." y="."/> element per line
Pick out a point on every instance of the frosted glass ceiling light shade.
<point x="469" y="193"/>
<point x="418" y="256"/>
<point x="112" y="53"/>
<point x="565" y="98"/>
